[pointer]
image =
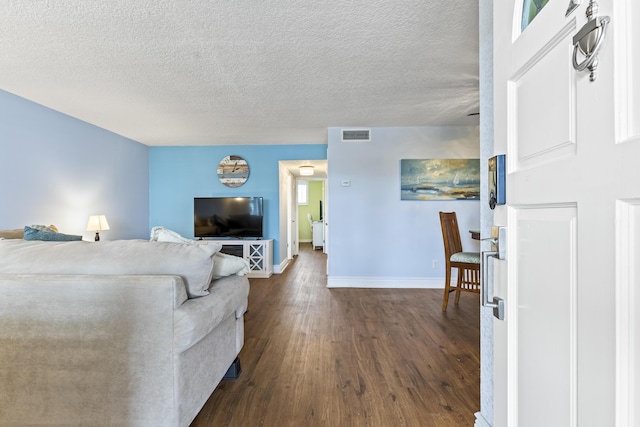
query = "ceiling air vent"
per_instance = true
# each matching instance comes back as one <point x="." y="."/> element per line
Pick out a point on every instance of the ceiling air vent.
<point x="356" y="135"/>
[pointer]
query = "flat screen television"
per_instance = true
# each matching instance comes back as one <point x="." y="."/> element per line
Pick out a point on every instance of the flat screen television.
<point x="228" y="217"/>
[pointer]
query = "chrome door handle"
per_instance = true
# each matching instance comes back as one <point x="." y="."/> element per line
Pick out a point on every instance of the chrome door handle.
<point x="497" y="304"/>
<point x="589" y="40"/>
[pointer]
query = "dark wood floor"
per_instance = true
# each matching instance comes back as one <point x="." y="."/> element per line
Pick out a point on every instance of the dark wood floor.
<point x="350" y="357"/>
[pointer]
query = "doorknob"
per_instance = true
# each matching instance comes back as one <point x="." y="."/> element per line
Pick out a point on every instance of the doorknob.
<point x="589" y="40"/>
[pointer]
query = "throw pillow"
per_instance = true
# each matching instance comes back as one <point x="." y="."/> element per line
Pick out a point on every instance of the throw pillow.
<point x="161" y="234"/>
<point x="226" y="265"/>
<point x="31" y="233"/>
<point x="17" y="233"/>
<point x="223" y="264"/>
<point x="51" y="227"/>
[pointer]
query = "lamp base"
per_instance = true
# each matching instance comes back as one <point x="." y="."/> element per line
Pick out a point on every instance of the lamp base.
<point x="97" y="238"/>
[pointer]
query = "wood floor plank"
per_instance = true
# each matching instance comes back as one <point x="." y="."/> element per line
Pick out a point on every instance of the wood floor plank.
<point x="315" y="356"/>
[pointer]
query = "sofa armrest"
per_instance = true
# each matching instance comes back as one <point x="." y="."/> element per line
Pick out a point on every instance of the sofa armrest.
<point x="87" y="349"/>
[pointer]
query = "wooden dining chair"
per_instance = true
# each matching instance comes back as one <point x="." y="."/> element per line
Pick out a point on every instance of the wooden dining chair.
<point x="467" y="263"/>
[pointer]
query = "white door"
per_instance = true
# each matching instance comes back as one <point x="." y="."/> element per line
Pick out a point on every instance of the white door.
<point x="293" y="217"/>
<point x="567" y="352"/>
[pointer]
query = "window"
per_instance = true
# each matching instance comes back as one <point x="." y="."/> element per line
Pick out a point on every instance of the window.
<point x="303" y="192"/>
<point x="530" y="10"/>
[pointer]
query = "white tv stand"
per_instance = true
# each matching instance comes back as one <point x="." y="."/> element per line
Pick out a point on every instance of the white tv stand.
<point x="259" y="253"/>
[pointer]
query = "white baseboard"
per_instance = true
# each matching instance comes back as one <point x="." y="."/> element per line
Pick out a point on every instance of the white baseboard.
<point x="386" y="282"/>
<point x="481" y="421"/>
<point x="280" y="268"/>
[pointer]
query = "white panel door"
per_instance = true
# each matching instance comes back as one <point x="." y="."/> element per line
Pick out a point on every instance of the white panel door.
<point x="568" y="351"/>
<point x="292" y="217"/>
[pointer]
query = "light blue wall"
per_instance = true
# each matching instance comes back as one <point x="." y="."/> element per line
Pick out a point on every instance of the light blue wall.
<point x="55" y="169"/>
<point x="372" y="234"/>
<point x="178" y="174"/>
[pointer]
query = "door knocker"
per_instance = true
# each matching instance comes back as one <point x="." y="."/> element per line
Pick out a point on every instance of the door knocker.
<point x="589" y="40"/>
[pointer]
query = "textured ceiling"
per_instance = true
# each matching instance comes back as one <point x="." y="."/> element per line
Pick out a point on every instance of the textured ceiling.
<point x="203" y="72"/>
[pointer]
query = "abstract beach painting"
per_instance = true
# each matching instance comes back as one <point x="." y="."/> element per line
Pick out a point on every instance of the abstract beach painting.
<point x="440" y="179"/>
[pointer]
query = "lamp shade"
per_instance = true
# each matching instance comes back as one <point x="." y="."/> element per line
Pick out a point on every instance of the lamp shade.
<point x="306" y="170"/>
<point x="97" y="223"/>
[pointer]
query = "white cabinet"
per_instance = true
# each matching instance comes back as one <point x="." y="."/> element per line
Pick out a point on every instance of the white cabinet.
<point x="318" y="234"/>
<point x="259" y="253"/>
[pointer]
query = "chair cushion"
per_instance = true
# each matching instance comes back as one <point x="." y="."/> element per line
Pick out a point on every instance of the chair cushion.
<point x="469" y="257"/>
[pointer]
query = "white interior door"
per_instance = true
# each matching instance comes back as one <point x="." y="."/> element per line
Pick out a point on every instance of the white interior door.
<point x="293" y="218"/>
<point x="567" y="352"/>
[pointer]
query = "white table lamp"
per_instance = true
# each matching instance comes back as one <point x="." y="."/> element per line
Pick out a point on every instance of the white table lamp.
<point x="97" y="223"/>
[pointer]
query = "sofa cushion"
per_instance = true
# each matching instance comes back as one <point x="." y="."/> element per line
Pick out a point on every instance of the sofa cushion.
<point x="32" y="233"/>
<point x="194" y="263"/>
<point x="194" y="319"/>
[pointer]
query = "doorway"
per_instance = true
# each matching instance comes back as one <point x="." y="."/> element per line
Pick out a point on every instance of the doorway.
<point x="291" y="219"/>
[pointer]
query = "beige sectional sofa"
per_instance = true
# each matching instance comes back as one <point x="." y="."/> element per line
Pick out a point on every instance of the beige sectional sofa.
<point x="127" y="333"/>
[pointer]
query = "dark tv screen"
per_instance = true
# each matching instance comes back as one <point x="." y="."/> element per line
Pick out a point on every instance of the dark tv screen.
<point x="227" y="217"/>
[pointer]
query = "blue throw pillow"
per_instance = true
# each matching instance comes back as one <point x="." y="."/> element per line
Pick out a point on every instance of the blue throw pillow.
<point x="49" y="236"/>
